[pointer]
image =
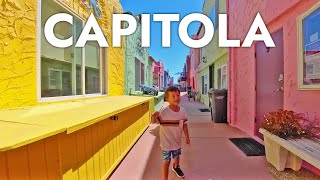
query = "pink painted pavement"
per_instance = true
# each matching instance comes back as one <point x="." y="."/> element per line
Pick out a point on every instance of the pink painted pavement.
<point x="211" y="155"/>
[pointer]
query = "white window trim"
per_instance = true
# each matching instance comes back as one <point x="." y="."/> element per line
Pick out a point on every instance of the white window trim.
<point x="49" y="75"/>
<point x="59" y="70"/>
<point x="140" y="73"/>
<point x="144" y="70"/>
<point x="38" y="62"/>
<point x="221" y="76"/>
<point x="300" y="49"/>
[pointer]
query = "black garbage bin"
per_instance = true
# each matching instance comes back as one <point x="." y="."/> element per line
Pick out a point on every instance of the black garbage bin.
<point x="220" y="100"/>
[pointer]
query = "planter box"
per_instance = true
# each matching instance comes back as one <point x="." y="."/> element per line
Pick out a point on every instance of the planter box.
<point x="277" y="155"/>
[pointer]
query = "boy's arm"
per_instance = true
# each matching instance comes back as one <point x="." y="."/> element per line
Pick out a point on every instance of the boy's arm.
<point x="186" y="133"/>
<point x="155" y="117"/>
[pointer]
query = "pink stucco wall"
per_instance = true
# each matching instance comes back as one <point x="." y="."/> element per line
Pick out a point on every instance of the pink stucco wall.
<point x="276" y="14"/>
<point x="194" y="62"/>
<point x="158" y="69"/>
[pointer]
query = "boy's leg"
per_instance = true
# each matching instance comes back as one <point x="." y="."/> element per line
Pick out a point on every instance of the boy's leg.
<point x="166" y="156"/>
<point x="165" y="170"/>
<point x="176" y="157"/>
<point x="176" y="163"/>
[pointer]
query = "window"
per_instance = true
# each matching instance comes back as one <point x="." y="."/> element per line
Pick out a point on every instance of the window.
<point x="69" y="71"/>
<point x="159" y="80"/>
<point x="139" y="74"/>
<point x="309" y="51"/>
<point x="204" y="82"/>
<point x="211" y="76"/>
<point x="222" y="77"/>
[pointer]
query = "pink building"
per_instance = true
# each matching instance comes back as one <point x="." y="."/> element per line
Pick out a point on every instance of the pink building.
<point x="192" y="61"/>
<point x="158" y="74"/>
<point x="266" y="79"/>
<point x="171" y="81"/>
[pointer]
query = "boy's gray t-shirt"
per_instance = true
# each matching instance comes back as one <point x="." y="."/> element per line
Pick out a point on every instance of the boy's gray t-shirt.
<point x="170" y="136"/>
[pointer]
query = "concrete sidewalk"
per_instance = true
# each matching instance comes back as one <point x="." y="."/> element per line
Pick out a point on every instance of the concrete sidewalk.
<point x="211" y="155"/>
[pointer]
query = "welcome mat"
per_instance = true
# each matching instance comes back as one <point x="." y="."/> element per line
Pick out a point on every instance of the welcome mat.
<point x="204" y="110"/>
<point x="249" y="146"/>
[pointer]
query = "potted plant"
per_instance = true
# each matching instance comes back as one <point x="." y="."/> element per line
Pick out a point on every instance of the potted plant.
<point x="287" y="125"/>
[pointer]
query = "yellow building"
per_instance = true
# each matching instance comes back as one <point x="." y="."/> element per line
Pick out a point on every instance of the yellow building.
<point x="63" y="110"/>
<point x="212" y="70"/>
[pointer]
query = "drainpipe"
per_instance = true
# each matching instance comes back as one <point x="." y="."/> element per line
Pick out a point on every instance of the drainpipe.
<point x="231" y="82"/>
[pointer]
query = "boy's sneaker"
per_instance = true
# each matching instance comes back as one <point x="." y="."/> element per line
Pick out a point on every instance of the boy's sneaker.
<point x="178" y="171"/>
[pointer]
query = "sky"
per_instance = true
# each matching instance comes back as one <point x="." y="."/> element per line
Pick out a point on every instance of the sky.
<point x="173" y="57"/>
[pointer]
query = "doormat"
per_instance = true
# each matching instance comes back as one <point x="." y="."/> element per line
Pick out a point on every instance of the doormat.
<point x="249" y="146"/>
<point x="204" y="110"/>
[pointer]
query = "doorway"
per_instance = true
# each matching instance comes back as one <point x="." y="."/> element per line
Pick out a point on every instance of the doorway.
<point x="269" y="78"/>
<point x="211" y="76"/>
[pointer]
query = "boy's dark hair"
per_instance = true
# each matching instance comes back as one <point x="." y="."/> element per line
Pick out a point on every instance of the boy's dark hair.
<point x="171" y="89"/>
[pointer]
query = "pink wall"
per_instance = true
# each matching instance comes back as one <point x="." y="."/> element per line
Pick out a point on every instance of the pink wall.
<point x="158" y="69"/>
<point x="276" y="14"/>
<point x="188" y="70"/>
<point x="194" y="62"/>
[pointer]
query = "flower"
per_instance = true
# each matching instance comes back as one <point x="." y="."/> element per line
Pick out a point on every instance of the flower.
<point x="287" y="125"/>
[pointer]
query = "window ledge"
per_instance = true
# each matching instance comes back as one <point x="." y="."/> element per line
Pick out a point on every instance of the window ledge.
<point x="22" y="126"/>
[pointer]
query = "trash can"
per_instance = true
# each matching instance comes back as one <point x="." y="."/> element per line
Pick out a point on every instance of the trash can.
<point x="219" y="98"/>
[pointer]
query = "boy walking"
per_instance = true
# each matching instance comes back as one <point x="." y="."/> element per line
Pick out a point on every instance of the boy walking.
<point x="172" y="120"/>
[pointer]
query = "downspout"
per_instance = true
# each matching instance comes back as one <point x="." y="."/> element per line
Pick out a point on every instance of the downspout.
<point x="230" y="75"/>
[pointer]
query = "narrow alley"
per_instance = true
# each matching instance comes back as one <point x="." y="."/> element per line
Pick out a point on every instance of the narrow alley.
<point x="210" y="156"/>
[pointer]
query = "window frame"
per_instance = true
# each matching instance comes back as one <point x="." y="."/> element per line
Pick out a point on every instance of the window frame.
<point x="224" y="66"/>
<point x="300" y="49"/>
<point x="220" y="76"/>
<point x="202" y="84"/>
<point x="140" y="74"/>
<point x="103" y="62"/>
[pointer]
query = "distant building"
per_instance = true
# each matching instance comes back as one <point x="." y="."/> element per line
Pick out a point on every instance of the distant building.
<point x="136" y="61"/>
<point x="158" y="74"/>
<point x="192" y="61"/>
<point x="182" y="80"/>
<point x="150" y="69"/>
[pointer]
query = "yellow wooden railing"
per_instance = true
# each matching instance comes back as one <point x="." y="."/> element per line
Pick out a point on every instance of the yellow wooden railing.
<point x="74" y="140"/>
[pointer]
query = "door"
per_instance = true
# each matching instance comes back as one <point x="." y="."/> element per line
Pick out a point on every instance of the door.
<point x="137" y="72"/>
<point x="269" y="81"/>
<point x="211" y="76"/>
<point x="66" y="83"/>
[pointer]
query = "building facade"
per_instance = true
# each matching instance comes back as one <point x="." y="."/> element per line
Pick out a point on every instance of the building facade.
<point x="182" y="80"/>
<point x="213" y="59"/>
<point x="166" y="79"/>
<point x="266" y="79"/>
<point x="150" y="70"/>
<point x="158" y="74"/>
<point x="193" y="61"/>
<point x="136" y="61"/>
<point x="58" y="115"/>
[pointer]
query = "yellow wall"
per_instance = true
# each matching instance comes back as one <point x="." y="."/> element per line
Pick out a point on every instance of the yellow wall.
<point x="212" y="52"/>
<point x="17" y="53"/>
<point x="218" y="64"/>
<point x="204" y="97"/>
<point x="90" y="153"/>
<point x="18" y="50"/>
